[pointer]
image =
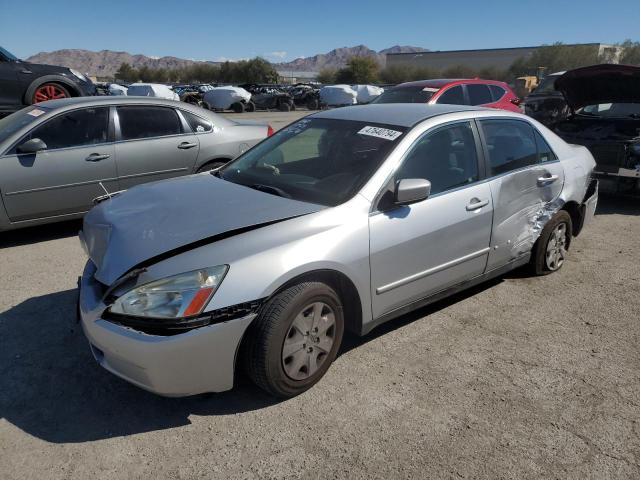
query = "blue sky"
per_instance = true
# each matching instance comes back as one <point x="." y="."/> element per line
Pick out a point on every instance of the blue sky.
<point x="284" y="30"/>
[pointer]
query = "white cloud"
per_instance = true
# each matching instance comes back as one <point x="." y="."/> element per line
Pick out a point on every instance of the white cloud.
<point x="227" y="59"/>
<point x="277" y="54"/>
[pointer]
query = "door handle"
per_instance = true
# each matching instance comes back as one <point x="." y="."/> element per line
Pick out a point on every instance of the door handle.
<point x="96" y="157"/>
<point x="186" y="145"/>
<point x="475" y="203"/>
<point x="24" y="70"/>
<point x="546" y="180"/>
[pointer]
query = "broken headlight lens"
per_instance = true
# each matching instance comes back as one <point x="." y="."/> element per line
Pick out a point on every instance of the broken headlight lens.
<point x="183" y="295"/>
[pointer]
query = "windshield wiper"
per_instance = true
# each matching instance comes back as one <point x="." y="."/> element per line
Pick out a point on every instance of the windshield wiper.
<point x="269" y="189"/>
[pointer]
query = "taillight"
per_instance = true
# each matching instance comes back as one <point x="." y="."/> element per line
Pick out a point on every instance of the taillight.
<point x="269" y="130"/>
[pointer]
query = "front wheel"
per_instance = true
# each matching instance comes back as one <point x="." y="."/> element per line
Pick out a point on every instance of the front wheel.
<point x="294" y="340"/>
<point x="49" y="91"/>
<point x="238" y="107"/>
<point x="550" y="250"/>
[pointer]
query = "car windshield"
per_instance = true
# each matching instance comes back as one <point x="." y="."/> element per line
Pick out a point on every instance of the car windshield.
<point x="618" y="110"/>
<point x="547" y="85"/>
<point x="406" y="95"/>
<point x="318" y="160"/>
<point x="8" y="55"/>
<point x="14" y="122"/>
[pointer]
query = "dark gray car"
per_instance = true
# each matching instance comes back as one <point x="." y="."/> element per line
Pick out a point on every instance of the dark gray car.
<point x="58" y="156"/>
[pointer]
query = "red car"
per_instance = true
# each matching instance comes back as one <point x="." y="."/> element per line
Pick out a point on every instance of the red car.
<point x="486" y="93"/>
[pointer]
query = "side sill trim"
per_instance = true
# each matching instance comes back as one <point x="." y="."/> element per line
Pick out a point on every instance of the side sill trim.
<point x="422" y="302"/>
<point x="417" y="276"/>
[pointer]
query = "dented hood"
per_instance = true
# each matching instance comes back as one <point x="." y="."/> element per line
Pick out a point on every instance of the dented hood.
<point x="600" y="84"/>
<point x="158" y="219"/>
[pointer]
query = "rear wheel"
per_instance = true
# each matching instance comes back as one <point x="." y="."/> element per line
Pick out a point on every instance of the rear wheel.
<point x="49" y="91"/>
<point x="550" y="250"/>
<point x="296" y="337"/>
<point x="312" y="104"/>
<point x="251" y="107"/>
<point x="284" y="107"/>
<point x="238" y="107"/>
<point x="207" y="167"/>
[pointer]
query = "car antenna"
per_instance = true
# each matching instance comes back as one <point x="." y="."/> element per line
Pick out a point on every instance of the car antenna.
<point x="105" y="190"/>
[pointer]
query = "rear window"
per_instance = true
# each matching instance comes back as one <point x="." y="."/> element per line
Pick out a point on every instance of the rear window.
<point x="405" y="95"/>
<point x="497" y="92"/>
<point x="197" y="124"/>
<point x="479" y="94"/>
<point x="148" y="122"/>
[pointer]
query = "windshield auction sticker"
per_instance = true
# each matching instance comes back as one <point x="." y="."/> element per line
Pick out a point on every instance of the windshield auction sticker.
<point x="36" y="112"/>
<point x="380" y="132"/>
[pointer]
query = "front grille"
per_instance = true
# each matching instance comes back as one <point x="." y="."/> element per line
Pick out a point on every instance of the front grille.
<point x="609" y="156"/>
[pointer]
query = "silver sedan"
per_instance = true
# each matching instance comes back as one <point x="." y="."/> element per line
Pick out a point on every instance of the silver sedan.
<point x="56" y="157"/>
<point x="341" y="221"/>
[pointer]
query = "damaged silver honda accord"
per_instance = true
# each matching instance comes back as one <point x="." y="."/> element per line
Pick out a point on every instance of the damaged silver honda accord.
<point x="341" y="221"/>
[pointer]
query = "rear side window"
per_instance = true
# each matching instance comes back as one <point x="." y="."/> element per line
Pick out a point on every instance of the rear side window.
<point x="148" y="122"/>
<point x="545" y="154"/>
<point x="497" y="92"/>
<point x="453" y="96"/>
<point x="197" y="124"/>
<point x="511" y="145"/>
<point x="479" y="94"/>
<point x="446" y="157"/>
<point x="78" y="128"/>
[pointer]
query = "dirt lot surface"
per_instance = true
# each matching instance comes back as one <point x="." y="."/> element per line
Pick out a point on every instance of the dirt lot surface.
<point x="519" y="378"/>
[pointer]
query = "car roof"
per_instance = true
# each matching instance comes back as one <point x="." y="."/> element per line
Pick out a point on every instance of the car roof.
<point x="400" y="114"/>
<point x="443" y="82"/>
<point x="109" y="99"/>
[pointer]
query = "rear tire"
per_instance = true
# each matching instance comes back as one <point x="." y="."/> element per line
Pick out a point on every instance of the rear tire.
<point x="312" y="104"/>
<point x="292" y="343"/>
<point x="284" y="107"/>
<point x="550" y="250"/>
<point x="251" y="107"/>
<point x="238" y="107"/>
<point x="207" y="167"/>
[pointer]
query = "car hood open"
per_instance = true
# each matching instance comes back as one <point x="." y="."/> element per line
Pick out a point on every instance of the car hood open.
<point x="600" y="84"/>
<point x="156" y="220"/>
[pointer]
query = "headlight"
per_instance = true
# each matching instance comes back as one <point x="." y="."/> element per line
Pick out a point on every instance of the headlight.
<point x="179" y="296"/>
<point x="78" y="74"/>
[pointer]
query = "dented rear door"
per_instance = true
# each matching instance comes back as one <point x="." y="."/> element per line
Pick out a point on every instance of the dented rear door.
<point x="525" y="178"/>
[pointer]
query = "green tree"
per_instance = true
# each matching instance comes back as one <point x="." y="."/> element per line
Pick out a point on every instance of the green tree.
<point x="327" y="76"/>
<point x="630" y="53"/>
<point x="126" y="73"/>
<point x="555" y="58"/>
<point x="361" y="70"/>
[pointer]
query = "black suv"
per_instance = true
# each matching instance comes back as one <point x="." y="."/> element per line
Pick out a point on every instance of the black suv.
<point x="24" y="83"/>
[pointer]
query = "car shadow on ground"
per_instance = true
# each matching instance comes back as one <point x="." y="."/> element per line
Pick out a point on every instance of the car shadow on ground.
<point x="40" y="233"/>
<point x="618" y="205"/>
<point x="52" y="388"/>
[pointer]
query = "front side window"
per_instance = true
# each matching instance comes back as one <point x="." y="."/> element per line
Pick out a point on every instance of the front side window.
<point x="511" y="145"/>
<point x="78" y="128"/>
<point x="452" y="96"/>
<point x="406" y="95"/>
<point x="197" y="124"/>
<point x="319" y="160"/>
<point x="138" y="122"/>
<point x="446" y="157"/>
<point x="479" y="94"/>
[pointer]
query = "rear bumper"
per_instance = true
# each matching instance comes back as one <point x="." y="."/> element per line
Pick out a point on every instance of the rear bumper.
<point x="198" y="361"/>
<point x="591" y="202"/>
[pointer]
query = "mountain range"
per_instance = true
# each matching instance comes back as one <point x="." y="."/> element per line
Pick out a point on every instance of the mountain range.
<point x="106" y="62"/>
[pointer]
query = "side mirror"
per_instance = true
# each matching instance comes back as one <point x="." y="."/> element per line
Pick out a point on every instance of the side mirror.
<point x="411" y="190"/>
<point x="34" y="145"/>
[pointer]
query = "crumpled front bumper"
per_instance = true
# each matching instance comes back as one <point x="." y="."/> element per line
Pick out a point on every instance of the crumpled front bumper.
<point x="198" y="361"/>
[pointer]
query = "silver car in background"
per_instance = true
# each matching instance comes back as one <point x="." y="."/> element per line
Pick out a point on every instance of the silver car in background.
<point x="56" y="157"/>
<point x="343" y="220"/>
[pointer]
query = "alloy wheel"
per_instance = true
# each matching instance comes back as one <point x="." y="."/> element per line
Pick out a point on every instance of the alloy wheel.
<point x="556" y="247"/>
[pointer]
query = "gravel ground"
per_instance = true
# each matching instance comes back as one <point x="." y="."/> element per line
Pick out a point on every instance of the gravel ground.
<point x="518" y="378"/>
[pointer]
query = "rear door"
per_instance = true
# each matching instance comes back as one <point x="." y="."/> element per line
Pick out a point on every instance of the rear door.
<point x="526" y="179"/>
<point x="480" y="94"/>
<point x="64" y="178"/>
<point x="11" y="87"/>
<point x="153" y="143"/>
<point x="423" y="248"/>
<point x="451" y="96"/>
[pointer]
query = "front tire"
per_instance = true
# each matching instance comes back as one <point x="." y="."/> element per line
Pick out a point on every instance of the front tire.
<point x="550" y="250"/>
<point x="294" y="340"/>
<point x="238" y="107"/>
<point x="49" y="91"/>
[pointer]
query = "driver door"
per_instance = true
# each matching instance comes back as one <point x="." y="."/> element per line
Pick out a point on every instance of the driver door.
<point x="420" y="249"/>
<point x="63" y="179"/>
